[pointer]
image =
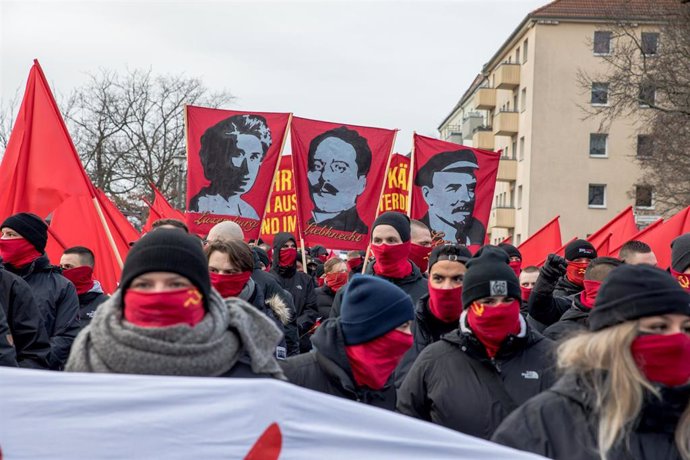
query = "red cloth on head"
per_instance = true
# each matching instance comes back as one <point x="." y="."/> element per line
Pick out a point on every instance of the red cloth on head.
<point x="663" y="358"/>
<point x="526" y="292"/>
<point x="229" y="285"/>
<point x="81" y="277"/>
<point x="576" y="272"/>
<point x="493" y="324"/>
<point x="18" y="252"/>
<point x="420" y="256"/>
<point x="163" y="309"/>
<point x="516" y="265"/>
<point x="373" y="362"/>
<point x="683" y="279"/>
<point x="287" y="257"/>
<point x="336" y="280"/>
<point x="445" y="304"/>
<point x="589" y="294"/>
<point x="392" y="260"/>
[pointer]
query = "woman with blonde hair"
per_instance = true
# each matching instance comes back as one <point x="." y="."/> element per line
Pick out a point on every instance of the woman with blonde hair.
<point x="624" y="393"/>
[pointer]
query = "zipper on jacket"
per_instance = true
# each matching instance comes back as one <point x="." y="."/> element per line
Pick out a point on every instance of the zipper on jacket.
<point x="496" y="365"/>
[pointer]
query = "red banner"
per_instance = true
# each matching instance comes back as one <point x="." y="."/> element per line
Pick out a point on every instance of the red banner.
<point x="232" y="157"/>
<point x="396" y="189"/>
<point x="281" y="213"/>
<point x="339" y="173"/>
<point x="452" y="189"/>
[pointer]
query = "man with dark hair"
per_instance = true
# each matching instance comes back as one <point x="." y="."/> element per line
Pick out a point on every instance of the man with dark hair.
<point x="448" y="183"/>
<point x="231" y="153"/>
<point x="636" y="252"/>
<point x="338" y="164"/>
<point x="421" y="244"/>
<point x="528" y="278"/>
<point x="170" y="223"/>
<point x="77" y="266"/>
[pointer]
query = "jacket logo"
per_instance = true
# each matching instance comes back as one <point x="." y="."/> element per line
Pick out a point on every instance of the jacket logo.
<point x="530" y="375"/>
<point x="298" y="287"/>
<point x="499" y="287"/>
<point x="194" y="299"/>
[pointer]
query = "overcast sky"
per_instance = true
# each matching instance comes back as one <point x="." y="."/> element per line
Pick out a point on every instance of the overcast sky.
<point x="385" y="64"/>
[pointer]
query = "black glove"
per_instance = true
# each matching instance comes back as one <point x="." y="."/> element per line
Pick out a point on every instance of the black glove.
<point x="554" y="267"/>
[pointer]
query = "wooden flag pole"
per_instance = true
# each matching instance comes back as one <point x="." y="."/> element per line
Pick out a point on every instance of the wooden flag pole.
<point x="304" y="255"/>
<point x="409" y="180"/>
<point x="111" y="240"/>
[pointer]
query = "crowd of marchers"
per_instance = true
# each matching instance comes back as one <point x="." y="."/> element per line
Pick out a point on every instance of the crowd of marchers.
<point x="584" y="358"/>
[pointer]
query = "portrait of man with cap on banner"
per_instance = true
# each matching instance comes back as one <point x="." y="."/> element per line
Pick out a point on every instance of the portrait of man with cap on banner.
<point x="338" y="164"/>
<point x="231" y="153"/>
<point x="448" y="182"/>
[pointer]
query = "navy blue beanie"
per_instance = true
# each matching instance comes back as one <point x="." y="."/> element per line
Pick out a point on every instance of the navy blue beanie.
<point x="372" y="307"/>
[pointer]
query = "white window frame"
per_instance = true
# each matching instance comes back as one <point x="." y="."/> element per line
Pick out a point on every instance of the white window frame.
<point x="597" y="206"/>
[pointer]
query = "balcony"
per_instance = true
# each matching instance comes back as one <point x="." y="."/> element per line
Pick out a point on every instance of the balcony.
<point x="502" y="218"/>
<point x="507" y="170"/>
<point x="485" y="99"/>
<point x="506" y="123"/>
<point x="471" y="122"/>
<point x="507" y="76"/>
<point x="453" y="133"/>
<point x="483" y="138"/>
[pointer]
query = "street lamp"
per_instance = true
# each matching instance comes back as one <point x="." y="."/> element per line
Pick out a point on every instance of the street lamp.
<point x="180" y="161"/>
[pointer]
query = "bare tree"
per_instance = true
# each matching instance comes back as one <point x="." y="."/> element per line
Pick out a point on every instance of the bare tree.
<point x="648" y="78"/>
<point x="8" y="111"/>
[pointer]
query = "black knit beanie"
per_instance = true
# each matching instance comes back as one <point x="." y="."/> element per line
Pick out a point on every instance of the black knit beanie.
<point x="399" y="221"/>
<point x="636" y="291"/>
<point x="168" y="250"/>
<point x="452" y="252"/>
<point x="488" y="274"/>
<point x="680" y="253"/>
<point x="31" y="227"/>
<point x="580" y="248"/>
<point x="511" y="250"/>
<point x="372" y="307"/>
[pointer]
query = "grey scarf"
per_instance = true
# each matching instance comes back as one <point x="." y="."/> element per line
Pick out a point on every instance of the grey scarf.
<point x="211" y="348"/>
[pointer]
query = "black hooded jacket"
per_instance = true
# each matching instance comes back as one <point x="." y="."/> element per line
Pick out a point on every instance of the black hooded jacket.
<point x="455" y="384"/>
<point x="561" y="423"/>
<point x="88" y="302"/>
<point x="327" y="369"/>
<point x="8" y="356"/>
<point x="566" y="288"/>
<point x="324" y="300"/>
<point x="544" y="304"/>
<point x="576" y="318"/>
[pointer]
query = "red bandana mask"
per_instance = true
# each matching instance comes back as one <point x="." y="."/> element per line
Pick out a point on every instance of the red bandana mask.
<point x="663" y="358"/>
<point x="336" y="280"/>
<point x="373" y="362"/>
<point x="354" y="263"/>
<point x="445" y="304"/>
<point x="229" y="285"/>
<point x="287" y="257"/>
<point x="81" y="277"/>
<point x="420" y="256"/>
<point x="683" y="279"/>
<point x="18" y="252"/>
<point x="516" y="265"/>
<point x="576" y="272"/>
<point x="323" y="258"/>
<point x="526" y="292"/>
<point x="588" y="296"/>
<point x="163" y="309"/>
<point x="493" y="324"/>
<point x="391" y="260"/>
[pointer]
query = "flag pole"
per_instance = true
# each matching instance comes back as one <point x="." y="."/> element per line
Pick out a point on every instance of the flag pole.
<point x="304" y="255"/>
<point x="111" y="240"/>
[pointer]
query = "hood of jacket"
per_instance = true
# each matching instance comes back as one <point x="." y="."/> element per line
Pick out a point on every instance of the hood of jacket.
<point x="278" y="241"/>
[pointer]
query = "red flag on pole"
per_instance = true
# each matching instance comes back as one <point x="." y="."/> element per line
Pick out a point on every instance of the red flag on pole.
<point x="560" y="251"/>
<point x="622" y="228"/>
<point x="123" y="231"/>
<point x="604" y="247"/>
<point x="160" y="209"/>
<point x="542" y="243"/>
<point x="281" y="212"/>
<point x="396" y="188"/>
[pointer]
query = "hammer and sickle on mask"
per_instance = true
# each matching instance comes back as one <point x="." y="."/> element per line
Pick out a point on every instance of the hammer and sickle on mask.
<point x="194" y="299"/>
<point x="478" y="309"/>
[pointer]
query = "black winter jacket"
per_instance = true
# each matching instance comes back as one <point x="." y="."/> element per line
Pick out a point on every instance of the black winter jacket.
<point x="8" y="356"/>
<point x="455" y="384"/>
<point x="25" y="321"/>
<point x="276" y="310"/>
<point x="575" y="319"/>
<point x="327" y="369"/>
<point x="562" y="424"/>
<point x="88" y="302"/>
<point x="544" y="305"/>
<point x="58" y="302"/>
<point x="415" y="285"/>
<point x="566" y="288"/>
<point x="324" y="300"/>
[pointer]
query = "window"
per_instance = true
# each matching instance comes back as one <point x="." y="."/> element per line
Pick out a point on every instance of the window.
<point x="602" y="42"/>
<point x="517" y="56"/>
<point x="600" y="93"/>
<point x="523" y="99"/>
<point x="597" y="145"/>
<point x="597" y="196"/>
<point x="650" y="43"/>
<point x="644" y="196"/>
<point x="645" y="146"/>
<point x="514" y="150"/>
<point x="647" y="95"/>
<point x="519" y="197"/>
<point x="518" y="239"/>
<point x="506" y="152"/>
<point x="524" y="51"/>
<point x="522" y="148"/>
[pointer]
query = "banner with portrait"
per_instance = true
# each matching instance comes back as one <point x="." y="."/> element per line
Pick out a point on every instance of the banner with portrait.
<point x="281" y="212"/>
<point x="339" y="175"/>
<point x="452" y="189"/>
<point x="396" y="189"/>
<point x="232" y="157"/>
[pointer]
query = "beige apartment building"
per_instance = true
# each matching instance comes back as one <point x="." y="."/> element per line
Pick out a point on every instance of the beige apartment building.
<point x="527" y="102"/>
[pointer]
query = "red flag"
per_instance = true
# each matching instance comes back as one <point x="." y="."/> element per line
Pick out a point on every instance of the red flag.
<point x="604" y="247"/>
<point x="622" y="228"/>
<point x="123" y="231"/>
<point x="339" y="176"/>
<point x="232" y="157"/>
<point x="543" y="242"/>
<point x="508" y="240"/>
<point x="452" y="189"/>
<point x="396" y="188"/>
<point x="160" y="209"/>
<point x="560" y="251"/>
<point x="281" y="212"/>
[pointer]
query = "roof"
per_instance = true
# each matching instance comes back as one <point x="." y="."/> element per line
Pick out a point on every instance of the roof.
<point x="603" y="9"/>
<point x="475" y="84"/>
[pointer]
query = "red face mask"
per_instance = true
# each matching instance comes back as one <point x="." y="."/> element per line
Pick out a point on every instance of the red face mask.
<point x="420" y="256"/>
<point x="493" y="324"/>
<point x="287" y="257"/>
<point x="323" y="258"/>
<point x="81" y="277"/>
<point x="588" y="296"/>
<point x="526" y="292"/>
<point x="229" y="285"/>
<point x="373" y="362"/>
<point x="445" y="304"/>
<point x="391" y="260"/>
<point x="576" y="272"/>
<point x="163" y="309"/>
<point x="354" y="263"/>
<point x="336" y="280"/>
<point x="18" y="252"/>
<point x="516" y="265"/>
<point x="663" y="358"/>
<point x="683" y="279"/>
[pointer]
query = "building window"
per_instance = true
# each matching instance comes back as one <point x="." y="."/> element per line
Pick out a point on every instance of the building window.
<point x="517" y="56"/>
<point x="602" y="42"/>
<point x="650" y="43"/>
<point x="519" y="197"/>
<point x="523" y="99"/>
<point x="597" y="196"/>
<point x="647" y="95"/>
<point x="524" y="51"/>
<point x="522" y="148"/>
<point x="644" y="197"/>
<point x="518" y="239"/>
<point x="645" y="146"/>
<point x="600" y="93"/>
<point x="506" y="152"/>
<point x="514" y="150"/>
<point x="597" y="145"/>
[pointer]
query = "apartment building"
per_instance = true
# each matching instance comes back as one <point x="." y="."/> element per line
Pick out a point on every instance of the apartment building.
<point x="528" y="102"/>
